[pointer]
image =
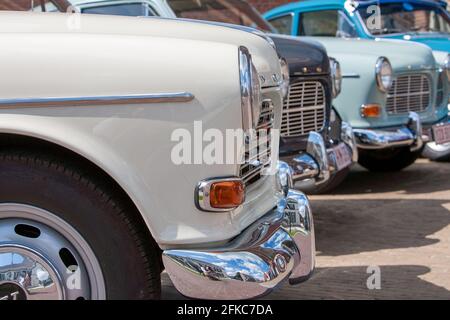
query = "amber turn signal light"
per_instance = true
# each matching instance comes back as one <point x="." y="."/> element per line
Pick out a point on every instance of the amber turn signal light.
<point x="371" y="111"/>
<point x="220" y="194"/>
<point x="227" y="194"/>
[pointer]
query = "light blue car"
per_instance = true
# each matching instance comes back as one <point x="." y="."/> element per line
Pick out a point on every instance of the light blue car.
<point x="381" y="117"/>
<point x="423" y="21"/>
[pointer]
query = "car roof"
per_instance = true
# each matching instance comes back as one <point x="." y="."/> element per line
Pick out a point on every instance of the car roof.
<point x="435" y="3"/>
<point x="306" y="4"/>
<point x="310" y="3"/>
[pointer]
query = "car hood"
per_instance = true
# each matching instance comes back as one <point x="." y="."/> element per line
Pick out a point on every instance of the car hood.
<point x="264" y="55"/>
<point x="403" y="55"/>
<point x="301" y="54"/>
<point x="439" y="42"/>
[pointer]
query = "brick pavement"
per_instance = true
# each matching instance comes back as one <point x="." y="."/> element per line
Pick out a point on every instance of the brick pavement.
<point x="399" y="222"/>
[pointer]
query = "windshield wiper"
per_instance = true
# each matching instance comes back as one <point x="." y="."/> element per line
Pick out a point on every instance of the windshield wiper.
<point x="385" y="31"/>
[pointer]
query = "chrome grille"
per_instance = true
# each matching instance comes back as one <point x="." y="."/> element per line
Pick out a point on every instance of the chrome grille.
<point x="440" y="89"/>
<point x="304" y="109"/>
<point x="258" y="146"/>
<point x="409" y="93"/>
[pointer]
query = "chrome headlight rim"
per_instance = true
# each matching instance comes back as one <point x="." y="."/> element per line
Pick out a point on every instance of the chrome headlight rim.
<point x="286" y="78"/>
<point x="336" y="76"/>
<point x="384" y="81"/>
<point x="250" y="90"/>
<point x="447" y="67"/>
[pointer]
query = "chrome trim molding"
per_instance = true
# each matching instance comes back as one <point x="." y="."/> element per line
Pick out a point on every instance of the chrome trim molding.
<point x="95" y="100"/>
<point x="278" y="247"/>
<point x="351" y="76"/>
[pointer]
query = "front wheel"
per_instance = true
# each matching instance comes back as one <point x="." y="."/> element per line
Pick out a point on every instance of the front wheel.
<point x="437" y="152"/>
<point x="387" y="160"/>
<point x="68" y="235"/>
<point x="329" y="186"/>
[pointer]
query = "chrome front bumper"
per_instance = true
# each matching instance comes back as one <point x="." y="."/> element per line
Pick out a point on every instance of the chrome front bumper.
<point x="278" y="247"/>
<point x="409" y="135"/>
<point x="318" y="162"/>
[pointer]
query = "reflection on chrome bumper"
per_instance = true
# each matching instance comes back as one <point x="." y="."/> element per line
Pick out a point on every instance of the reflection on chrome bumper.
<point x="409" y="135"/>
<point x="348" y="136"/>
<point x="311" y="164"/>
<point x="278" y="247"/>
<point x="317" y="162"/>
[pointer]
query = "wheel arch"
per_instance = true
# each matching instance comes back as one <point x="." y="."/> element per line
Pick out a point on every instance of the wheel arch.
<point x="49" y="147"/>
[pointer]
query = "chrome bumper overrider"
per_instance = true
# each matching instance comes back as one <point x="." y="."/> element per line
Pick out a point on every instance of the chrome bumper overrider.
<point x="318" y="162"/>
<point x="348" y="138"/>
<point x="278" y="247"/>
<point x="409" y="135"/>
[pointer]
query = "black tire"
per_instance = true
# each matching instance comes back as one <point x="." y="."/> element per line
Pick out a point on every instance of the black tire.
<point x="328" y="187"/>
<point x="388" y="160"/>
<point x="129" y="259"/>
<point x="436" y="155"/>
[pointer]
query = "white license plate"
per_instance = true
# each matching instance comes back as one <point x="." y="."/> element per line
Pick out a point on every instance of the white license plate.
<point x="441" y="133"/>
<point x="343" y="156"/>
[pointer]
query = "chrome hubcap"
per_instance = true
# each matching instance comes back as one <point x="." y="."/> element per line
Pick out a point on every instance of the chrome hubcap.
<point x="43" y="257"/>
<point x="24" y="275"/>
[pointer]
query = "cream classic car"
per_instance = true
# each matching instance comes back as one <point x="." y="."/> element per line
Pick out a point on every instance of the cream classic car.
<point x="92" y="204"/>
<point x="315" y="142"/>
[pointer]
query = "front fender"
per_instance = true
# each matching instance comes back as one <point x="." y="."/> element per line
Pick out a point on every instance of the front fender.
<point x="132" y="142"/>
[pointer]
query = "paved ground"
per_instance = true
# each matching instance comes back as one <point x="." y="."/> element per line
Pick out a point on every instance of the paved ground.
<point x="398" y="222"/>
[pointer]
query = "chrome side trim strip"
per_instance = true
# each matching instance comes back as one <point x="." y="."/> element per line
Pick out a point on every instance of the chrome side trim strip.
<point x="351" y="76"/>
<point x="96" y="100"/>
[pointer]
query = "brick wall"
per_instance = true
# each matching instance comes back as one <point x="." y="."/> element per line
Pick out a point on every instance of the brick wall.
<point x="265" y="5"/>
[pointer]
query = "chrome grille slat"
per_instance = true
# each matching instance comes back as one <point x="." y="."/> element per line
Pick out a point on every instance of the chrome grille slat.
<point x="409" y="93"/>
<point x="304" y="109"/>
<point x="258" y="158"/>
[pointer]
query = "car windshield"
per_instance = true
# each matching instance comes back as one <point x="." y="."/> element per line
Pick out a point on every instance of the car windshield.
<point x="405" y="18"/>
<point x="227" y="11"/>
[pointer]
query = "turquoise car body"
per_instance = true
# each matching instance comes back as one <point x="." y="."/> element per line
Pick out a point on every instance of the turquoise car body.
<point x="358" y="57"/>
<point x="436" y="41"/>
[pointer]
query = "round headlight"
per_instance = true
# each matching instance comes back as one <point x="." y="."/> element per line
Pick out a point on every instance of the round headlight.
<point x="336" y="76"/>
<point x="286" y="77"/>
<point x="447" y="66"/>
<point x="250" y="90"/>
<point x="384" y="74"/>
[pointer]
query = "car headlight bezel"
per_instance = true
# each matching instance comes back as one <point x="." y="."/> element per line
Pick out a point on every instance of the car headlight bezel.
<point x="286" y="79"/>
<point x="447" y="67"/>
<point x="336" y="77"/>
<point x="250" y="90"/>
<point x="384" y="74"/>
